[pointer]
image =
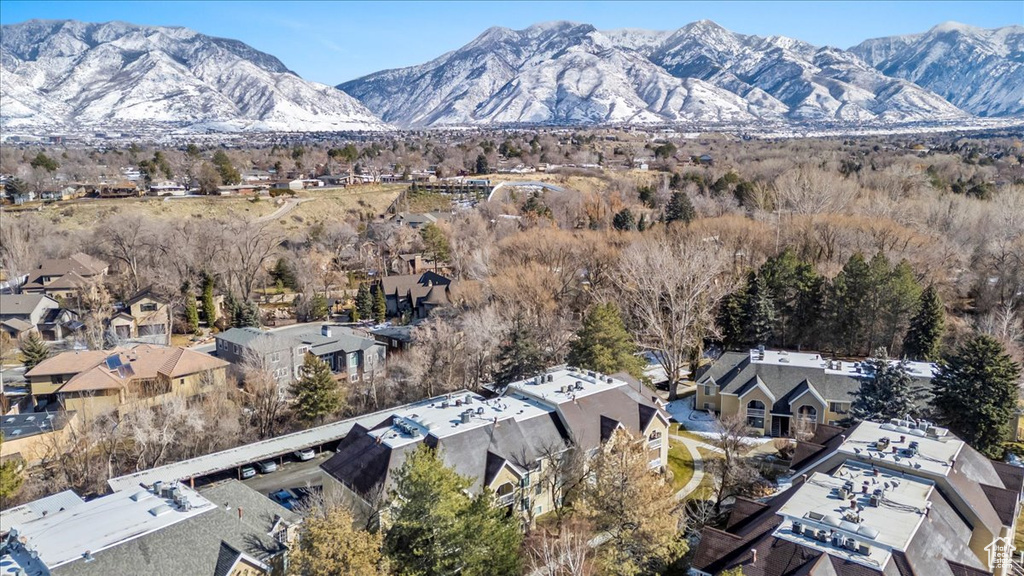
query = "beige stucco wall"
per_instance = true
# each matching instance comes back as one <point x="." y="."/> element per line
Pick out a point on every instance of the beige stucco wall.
<point x="713" y="399"/>
<point x="750" y="396"/>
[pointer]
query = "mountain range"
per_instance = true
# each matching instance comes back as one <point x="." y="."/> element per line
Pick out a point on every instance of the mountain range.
<point x="68" y="74"/>
<point x="71" y="75"/>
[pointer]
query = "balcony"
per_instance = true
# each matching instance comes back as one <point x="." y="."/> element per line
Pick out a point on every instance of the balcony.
<point x="505" y="500"/>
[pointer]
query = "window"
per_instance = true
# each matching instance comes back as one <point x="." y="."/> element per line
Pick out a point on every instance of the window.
<point x="654" y="440"/>
<point x="707" y="406"/>
<point x="148" y="307"/>
<point x="654" y="463"/>
<point x="808" y="413"/>
<point x="181" y="381"/>
<point x="538" y="490"/>
<point x="755" y="414"/>
<point x="709" y="390"/>
<point x="838" y="407"/>
<point x="538" y="510"/>
<point x="526" y="480"/>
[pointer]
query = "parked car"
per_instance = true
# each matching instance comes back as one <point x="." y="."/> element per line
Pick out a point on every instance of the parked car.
<point x="284" y="498"/>
<point x="248" y="472"/>
<point x="267" y="466"/>
<point x="304" y="455"/>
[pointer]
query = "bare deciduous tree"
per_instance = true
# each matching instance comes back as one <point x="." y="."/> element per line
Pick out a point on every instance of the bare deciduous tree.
<point x="668" y="288"/>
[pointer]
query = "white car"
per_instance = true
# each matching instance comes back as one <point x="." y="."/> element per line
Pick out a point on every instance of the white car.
<point x="247" y="472"/>
<point x="304" y="455"/>
<point x="267" y="466"/>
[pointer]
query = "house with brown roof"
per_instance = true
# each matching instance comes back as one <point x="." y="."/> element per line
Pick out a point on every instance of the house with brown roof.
<point x="416" y="295"/>
<point x="92" y="381"/>
<point x="64" y="277"/>
<point x="145" y="317"/>
<point x="900" y="498"/>
<point x="506" y="443"/>
<point x="122" y="189"/>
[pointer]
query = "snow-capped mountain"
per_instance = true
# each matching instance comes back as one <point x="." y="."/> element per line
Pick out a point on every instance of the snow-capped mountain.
<point x="979" y="70"/>
<point x="71" y="74"/>
<point x="566" y="73"/>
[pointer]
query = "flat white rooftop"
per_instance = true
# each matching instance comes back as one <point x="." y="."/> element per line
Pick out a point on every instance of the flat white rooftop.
<point x="66" y="536"/>
<point x="858" y="513"/>
<point x="839" y="367"/>
<point x="453" y="414"/>
<point x="563" y="385"/>
<point x="905" y="445"/>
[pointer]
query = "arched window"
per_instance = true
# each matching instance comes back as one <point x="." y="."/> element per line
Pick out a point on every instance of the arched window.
<point x="808" y="413"/>
<point x="755" y="414"/>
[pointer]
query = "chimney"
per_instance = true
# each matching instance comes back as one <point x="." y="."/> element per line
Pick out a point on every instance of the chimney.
<point x="325" y="331"/>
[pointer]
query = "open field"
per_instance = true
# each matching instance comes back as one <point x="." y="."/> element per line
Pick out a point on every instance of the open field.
<point x="322" y="205"/>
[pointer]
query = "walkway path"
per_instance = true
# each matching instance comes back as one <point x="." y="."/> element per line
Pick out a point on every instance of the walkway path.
<point x="698" y="464"/>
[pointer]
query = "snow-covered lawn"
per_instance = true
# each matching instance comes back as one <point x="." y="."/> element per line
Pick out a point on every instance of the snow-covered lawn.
<point x="701" y="422"/>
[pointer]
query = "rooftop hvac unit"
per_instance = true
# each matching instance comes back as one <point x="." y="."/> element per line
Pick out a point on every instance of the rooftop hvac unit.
<point x="864" y="549"/>
<point x="821" y="536"/>
<point x="551" y="377"/>
<point x="850" y="544"/>
<point x="579" y="385"/>
<point x="445" y="404"/>
<point x="875" y="500"/>
<point x="837" y="540"/>
<point x="466" y="416"/>
<point x="469" y="399"/>
<point x="798" y="528"/>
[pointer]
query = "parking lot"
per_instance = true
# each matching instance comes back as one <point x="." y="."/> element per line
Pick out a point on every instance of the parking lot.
<point x="289" y="475"/>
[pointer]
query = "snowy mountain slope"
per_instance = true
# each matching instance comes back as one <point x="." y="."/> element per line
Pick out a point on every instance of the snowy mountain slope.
<point x="558" y="72"/>
<point x="979" y="70"/>
<point x="563" y="72"/>
<point x="75" y="74"/>
<point x="814" y="84"/>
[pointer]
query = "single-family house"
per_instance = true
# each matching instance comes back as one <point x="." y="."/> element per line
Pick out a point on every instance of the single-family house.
<point x="122" y="189"/>
<point x="61" y="193"/>
<point x="65" y="277"/>
<point x="166" y="188"/>
<point x="415" y="294"/>
<point x="21" y="314"/>
<point x="145" y="318"/>
<point x="295" y="184"/>
<point x="95" y="381"/>
<point x="29" y="436"/>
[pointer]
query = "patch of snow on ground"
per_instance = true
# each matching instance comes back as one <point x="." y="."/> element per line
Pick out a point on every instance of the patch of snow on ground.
<point x="701" y="422"/>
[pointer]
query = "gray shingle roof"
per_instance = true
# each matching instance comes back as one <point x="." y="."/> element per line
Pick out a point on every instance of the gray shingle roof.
<point x="194" y="546"/>
<point x="734" y="373"/>
<point x="21" y="304"/>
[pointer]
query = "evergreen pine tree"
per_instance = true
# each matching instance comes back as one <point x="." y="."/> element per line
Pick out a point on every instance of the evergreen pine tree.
<point x="318" y="307"/>
<point x="481" y="165"/>
<point x="519" y="356"/>
<point x="975" y="393"/>
<point x="680" y="209"/>
<point x="760" y="311"/>
<point x="380" y="305"/>
<point x="624" y="220"/>
<point x="603" y="344"/>
<point x="797" y="290"/>
<point x="317" y="393"/>
<point x="925" y="333"/>
<point x="246" y="313"/>
<point x="34" y="350"/>
<point x="437" y="528"/>
<point x="283" y="275"/>
<point x="10" y="478"/>
<point x="887" y="392"/>
<point x="847" y="301"/>
<point x="364" y="302"/>
<point x="731" y="320"/>
<point x="902" y="299"/>
<point x="191" y="310"/>
<point x="209" y="305"/>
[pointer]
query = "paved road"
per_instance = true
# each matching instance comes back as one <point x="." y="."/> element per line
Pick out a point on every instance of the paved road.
<point x="289" y="205"/>
<point x="498" y="193"/>
<point x="291" y="475"/>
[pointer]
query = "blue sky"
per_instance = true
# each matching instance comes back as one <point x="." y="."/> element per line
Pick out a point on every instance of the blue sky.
<point x="332" y="42"/>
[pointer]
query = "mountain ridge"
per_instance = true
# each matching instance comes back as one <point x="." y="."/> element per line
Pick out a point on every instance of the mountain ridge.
<point x="66" y="73"/>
